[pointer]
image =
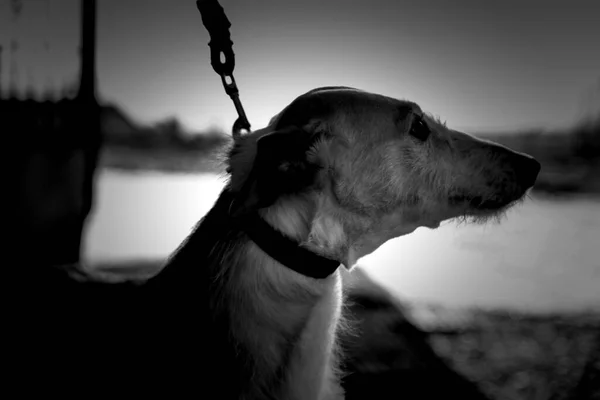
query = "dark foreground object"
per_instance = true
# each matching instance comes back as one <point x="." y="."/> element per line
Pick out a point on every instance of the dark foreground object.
<point x="77" y="339"/>
<point x="70" y="338"/>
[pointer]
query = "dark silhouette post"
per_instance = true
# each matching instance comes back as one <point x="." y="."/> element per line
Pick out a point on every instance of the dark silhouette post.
<point x="86" y="99"/>
<point x="87" y="85"/>
<point x="1" y="71"/>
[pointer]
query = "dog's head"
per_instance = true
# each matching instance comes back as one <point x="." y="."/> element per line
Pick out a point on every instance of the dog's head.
<point x="371" y="168"/>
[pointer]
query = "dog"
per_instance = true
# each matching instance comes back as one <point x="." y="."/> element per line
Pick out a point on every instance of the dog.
<point x="333" y="176"/>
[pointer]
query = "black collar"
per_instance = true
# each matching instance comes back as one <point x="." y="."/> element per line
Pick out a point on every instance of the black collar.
<point x="285" y="250"/>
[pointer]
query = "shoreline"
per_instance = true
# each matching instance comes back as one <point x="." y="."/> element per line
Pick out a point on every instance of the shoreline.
<point x="555" y="180"/>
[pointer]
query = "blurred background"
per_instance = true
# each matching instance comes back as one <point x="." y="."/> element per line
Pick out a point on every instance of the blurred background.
<point x="118" y="126"/>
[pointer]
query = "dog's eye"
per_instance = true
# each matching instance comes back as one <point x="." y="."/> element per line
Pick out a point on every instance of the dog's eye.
<point x="419" y="129"/>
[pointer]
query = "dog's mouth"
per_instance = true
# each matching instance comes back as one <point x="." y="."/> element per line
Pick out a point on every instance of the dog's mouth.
<point x="487" y="204"/>
<point x="480" y="203"/>
<point x="479" y="209"/>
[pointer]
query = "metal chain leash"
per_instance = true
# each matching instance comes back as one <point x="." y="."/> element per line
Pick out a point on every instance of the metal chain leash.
<point x="222" y="57"/>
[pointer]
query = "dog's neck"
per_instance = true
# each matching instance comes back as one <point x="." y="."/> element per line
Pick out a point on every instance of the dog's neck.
<point x="272" y="328"/>
<point x="286" y="250"/>
<point x="307" y="220"/>
<point x="308" y="309"/>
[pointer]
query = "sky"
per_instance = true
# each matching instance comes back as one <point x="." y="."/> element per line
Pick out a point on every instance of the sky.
<point x="482" y="66"/>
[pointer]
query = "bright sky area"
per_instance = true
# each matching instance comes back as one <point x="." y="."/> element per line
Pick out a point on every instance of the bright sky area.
<point x="480" y="65"/>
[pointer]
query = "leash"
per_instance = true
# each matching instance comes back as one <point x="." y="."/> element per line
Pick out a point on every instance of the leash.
<point x="222" y="57"/>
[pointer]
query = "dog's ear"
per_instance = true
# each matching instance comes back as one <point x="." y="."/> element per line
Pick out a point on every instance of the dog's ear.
<point x="281" y="166"/>
<point x="304" y="109"/>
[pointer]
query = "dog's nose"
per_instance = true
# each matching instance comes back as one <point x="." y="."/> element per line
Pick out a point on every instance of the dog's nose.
<point x="527" y="169"/>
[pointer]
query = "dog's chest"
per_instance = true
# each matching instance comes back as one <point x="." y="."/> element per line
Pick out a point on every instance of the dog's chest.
<point x="313" y="363"/>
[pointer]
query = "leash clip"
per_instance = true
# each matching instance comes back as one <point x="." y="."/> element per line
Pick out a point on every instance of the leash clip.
<point x="222" y="57"/>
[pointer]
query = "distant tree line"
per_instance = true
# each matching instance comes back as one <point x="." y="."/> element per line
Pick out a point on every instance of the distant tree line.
<point x="170" y="134"/>
<point x="586" y="138"/>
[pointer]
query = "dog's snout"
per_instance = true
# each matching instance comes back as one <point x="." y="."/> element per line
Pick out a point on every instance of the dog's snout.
<point x="526" y="169"/>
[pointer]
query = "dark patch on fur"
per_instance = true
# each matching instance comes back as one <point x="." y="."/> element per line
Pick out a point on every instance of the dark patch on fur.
<point x="315" y="104"/>
<point x="185" y="284"/>
<point x="304" y="109"/>
<point x="281" y="167"/>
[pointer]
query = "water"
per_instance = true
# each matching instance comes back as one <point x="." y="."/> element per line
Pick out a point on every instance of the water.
<point x="545" y="255"/>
